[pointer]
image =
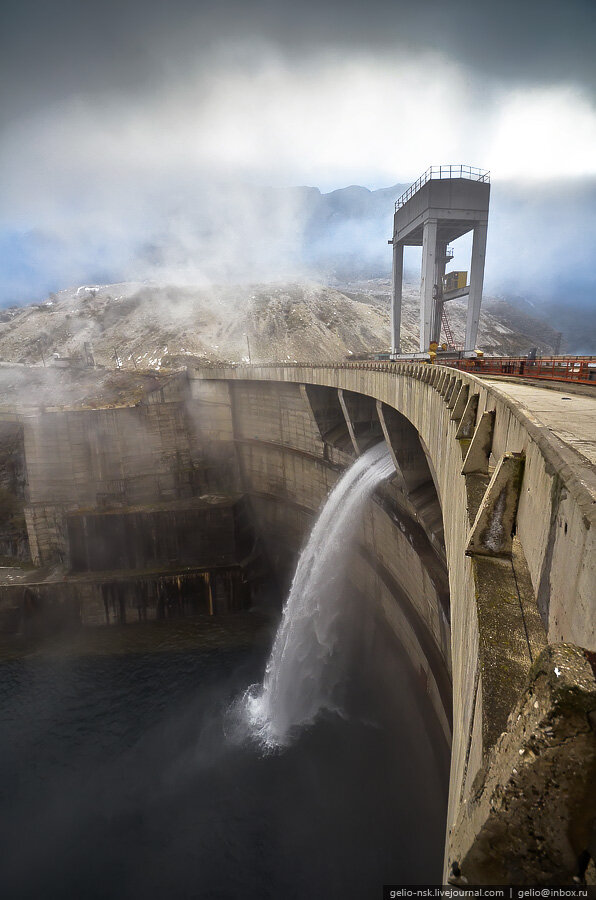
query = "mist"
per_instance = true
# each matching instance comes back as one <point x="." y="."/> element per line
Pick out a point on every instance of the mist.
<point x="539" y="248"/>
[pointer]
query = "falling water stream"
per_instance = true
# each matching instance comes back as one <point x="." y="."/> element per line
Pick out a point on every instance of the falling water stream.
<point x="305" y="665"/>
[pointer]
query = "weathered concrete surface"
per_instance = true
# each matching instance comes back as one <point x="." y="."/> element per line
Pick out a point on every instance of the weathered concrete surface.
<point x="14" y="542"/>
<point x="478" y="455"/>
<point x="201" y="532"/>
<point x="47" y="608"/>
<point x="123" y="457"/>
<point x="492" y="531"/>
<point x="530" y="816"/>
<point x="556" y="519"/>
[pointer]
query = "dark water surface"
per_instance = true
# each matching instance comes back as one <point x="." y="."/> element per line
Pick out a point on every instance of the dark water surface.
<point x="117" y="780"/>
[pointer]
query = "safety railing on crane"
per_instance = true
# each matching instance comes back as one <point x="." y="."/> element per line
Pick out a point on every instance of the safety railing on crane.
<point x="470" y="172"/>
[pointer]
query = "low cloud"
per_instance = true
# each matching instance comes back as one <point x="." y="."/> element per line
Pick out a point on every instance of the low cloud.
<point x="190" y="182"/>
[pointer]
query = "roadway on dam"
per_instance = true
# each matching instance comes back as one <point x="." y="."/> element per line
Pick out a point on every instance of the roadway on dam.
<point x="568" y="415"/>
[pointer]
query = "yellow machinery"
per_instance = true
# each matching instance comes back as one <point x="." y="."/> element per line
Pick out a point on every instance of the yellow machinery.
<point x="454" y="281"/>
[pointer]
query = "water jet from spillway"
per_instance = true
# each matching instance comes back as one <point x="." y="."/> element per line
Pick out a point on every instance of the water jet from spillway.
<point x="306" y="661"/>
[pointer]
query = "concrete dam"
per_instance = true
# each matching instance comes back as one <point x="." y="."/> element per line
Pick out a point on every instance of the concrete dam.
<point x="478" y="553"/>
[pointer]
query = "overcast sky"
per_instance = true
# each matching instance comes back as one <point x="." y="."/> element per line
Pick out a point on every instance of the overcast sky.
<point x="115" y="112"/>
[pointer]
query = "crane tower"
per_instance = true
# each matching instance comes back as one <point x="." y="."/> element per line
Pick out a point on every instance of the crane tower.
<point x="444" y="204"/>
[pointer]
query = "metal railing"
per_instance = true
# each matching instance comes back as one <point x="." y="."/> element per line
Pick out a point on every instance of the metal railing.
<point x="578" y="369"/>
<point x="469" y="172"/>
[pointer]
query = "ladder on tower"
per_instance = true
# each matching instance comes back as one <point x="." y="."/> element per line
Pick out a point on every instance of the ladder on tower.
<point x="447" y="330"/>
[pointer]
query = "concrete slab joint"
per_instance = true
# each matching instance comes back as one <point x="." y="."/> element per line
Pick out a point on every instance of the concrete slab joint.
<point x="491" y="533"/>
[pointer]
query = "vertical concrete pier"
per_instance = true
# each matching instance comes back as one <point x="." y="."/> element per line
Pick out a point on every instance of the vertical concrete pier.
<point x="398" y="277"/>
<point x="444" y="204"/>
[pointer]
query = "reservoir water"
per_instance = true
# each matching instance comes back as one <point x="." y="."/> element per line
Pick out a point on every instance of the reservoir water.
<point x="117" y="780"/>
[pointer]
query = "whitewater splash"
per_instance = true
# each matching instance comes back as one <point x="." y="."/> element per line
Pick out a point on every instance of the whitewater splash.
<point x="303" y="667"/>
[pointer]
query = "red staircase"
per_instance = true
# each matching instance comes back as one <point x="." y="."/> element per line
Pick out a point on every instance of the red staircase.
<point x="450" y="340"/>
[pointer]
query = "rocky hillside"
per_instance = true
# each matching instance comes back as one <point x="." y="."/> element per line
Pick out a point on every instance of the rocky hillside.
<point x="504" y="329"/>
<point x="156" y="328"/>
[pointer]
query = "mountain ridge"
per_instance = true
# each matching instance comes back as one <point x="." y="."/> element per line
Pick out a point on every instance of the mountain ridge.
<point x="158" y="327"/>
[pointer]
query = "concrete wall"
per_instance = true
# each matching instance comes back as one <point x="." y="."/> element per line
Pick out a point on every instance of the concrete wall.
<point x="124" y="457"/>
<point x="47" y="607"/>
<point x="291" y="445"/>
<point x="81" y="456"/>
<point x="101" y="481"/>
<point x="13" y="476"/>
<point x="201" y="534"/>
